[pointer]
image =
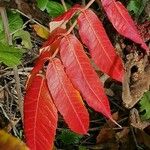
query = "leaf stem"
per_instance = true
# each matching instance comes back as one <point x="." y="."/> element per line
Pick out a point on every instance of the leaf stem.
<point x="31" y="19"/>
<point x="74" y="24"/>
<point x="89" y="4"/>
<point x="55" y="53"/>
<point x="64" y="5"/>
<point x="71" y="28"/>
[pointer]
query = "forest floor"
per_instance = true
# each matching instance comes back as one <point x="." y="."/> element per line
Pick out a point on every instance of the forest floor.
<point x="103" y="134"/>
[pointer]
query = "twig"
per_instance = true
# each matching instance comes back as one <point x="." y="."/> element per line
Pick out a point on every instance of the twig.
<point x="64" y="4"/>
<point x="18" y="89"/>
<point x="5" y="114"/>
<point x="74" y="24"/>
<point x="71" y="28"/>
<point x="2" y="88"/>
<point x="16" y="75"/>
<point x="5" y="25"/>
<point x="31" y="19"/>
<point x="136" y="143"/>
<point x="89" y="4"/>
<point x="116" y="104"/>
<point x="83" y="2"/>
<point x="21" y="71"/>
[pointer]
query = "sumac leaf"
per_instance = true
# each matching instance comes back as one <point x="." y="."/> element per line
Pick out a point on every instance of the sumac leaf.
<point x="47" y="51"/>
<point x="40" y="115"/>
<point x="68" y="15"/>
<point x="54" y="36"/>
<point x="44" y="56"/>
<point x="95" y="38"/>
<point x="63" y="19"/>
<point x="66" y="98"/>
<point x="122" y="21"/>
<point x="82" y="75"/>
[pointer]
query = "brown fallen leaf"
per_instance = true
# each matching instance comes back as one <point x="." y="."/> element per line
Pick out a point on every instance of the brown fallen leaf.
<point x="139" y="126"/>
<point x="136" y="121"/>
<point x="106" y="133"/>
<point x="137" y="82"/>
<point x="143" y="137"/>
<point x="123" y="134"/>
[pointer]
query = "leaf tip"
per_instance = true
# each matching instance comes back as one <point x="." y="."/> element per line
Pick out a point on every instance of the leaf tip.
<point x="144" y="46"/>
<point x="115" y="123"/>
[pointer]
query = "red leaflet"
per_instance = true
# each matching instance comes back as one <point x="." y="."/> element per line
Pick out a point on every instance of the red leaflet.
<point x="49" y="47"/>
<point x="122" y="21"/>
<point x="82" y="75"/>
<point x="40" y="116"/>
<point x="44" y="56"/>
<point x="55" y="34"/>
<point x="62" y="20"/>
<point x="68" y="15"/>
<point x="95" y="38"/>
<point x="66" y="98"/>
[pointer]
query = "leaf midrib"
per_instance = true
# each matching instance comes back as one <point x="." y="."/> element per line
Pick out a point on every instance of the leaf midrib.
<point x="71" y="47"/>
<point x="99" y="41"/>
<point x="56" y="70"/>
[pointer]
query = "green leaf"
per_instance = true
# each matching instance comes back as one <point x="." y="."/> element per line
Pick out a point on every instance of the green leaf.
<point x="15" y="23"/>
<point x="9" y="55"/>
<point x="68" y="137"/>
<point x="25" y="36"/>
<point x="134" y="5"/>
<point x="2" y="37"/>
<point x="145" y="106"/>
<point x="1" y="24"/>
<point x="137" y="6"/>
<point x="54" y="8"/>
<point x="42" y="4"/>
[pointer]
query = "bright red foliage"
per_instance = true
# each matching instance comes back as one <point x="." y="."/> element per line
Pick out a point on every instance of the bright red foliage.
<point x="47" y="50"/>
<point x="66" y="98"/>
<point x="40" y="115"/>
<point x="54" y="38"/>
<point x="68" y="15"/>
<point x="122" y="21"/>
<point x="65" y="80"/>
<point x="95" y="38"/>
<point x="82" y="75"/>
